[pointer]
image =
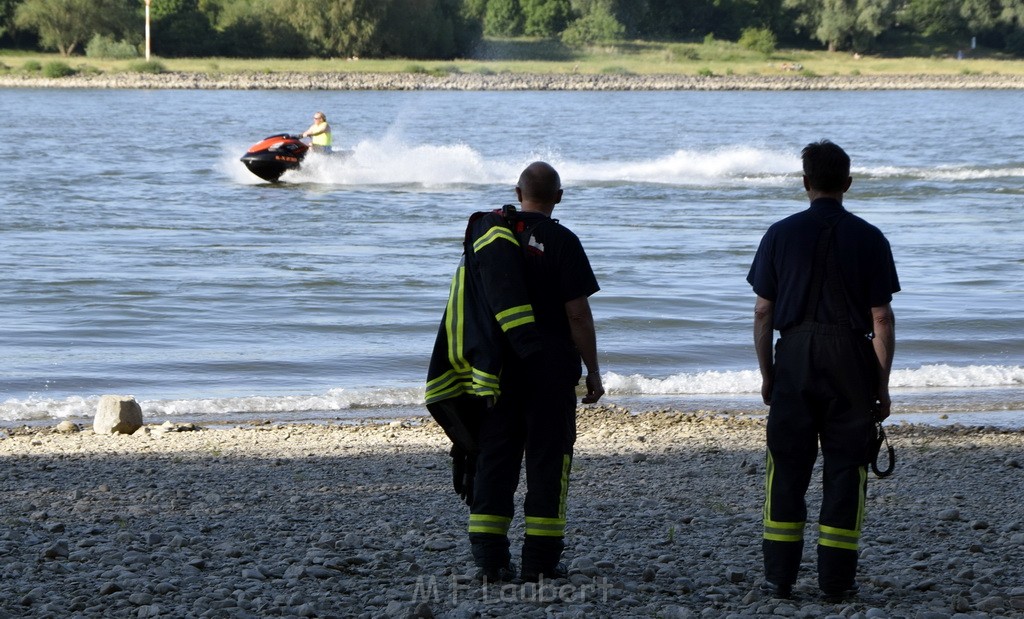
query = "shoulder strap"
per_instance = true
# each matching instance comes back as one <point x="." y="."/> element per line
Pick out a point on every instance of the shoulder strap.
<point x="519" y="225"/>
<point x="825" y="260"/>
<point x="512" y="218"/>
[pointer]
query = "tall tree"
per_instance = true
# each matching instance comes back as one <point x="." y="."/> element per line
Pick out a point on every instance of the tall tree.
<point x="1011" y="13"/>
<point x="597" y="25"/>
<point x="504" y="18"/>
<point x="873" y="18"/>
<point x="545" y="18"/>
<point x="181" y="29"/>
<point x="338" y="27"/>
<point x="7" y="14"/>
<point x="932" y="17"/>
<point x="65" y="24"/>
<point x="427" y="29"/>
<point x="843" y="23"/>
<point x="979" y="15"/>
<point x="835" y="25"/>
<point x="253" y="29"/>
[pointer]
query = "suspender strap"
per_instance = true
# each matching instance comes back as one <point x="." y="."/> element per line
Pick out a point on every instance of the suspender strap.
<point x="825" y="261"/>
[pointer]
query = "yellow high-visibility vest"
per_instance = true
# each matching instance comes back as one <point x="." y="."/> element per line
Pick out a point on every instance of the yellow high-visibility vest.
<point x="322" y="139"/>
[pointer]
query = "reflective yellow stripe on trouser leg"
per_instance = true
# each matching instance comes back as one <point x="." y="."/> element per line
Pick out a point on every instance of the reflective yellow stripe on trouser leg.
<point x="847" y="539"/>
<point x="486" y="523"/>
<point x="553" y="527"/>
<point x="777" y="530"/>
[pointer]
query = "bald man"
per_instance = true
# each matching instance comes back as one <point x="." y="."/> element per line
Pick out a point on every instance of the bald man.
<point x="535" y="414"/>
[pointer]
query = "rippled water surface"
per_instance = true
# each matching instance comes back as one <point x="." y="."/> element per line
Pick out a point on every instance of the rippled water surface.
<point x="139" y="256"/>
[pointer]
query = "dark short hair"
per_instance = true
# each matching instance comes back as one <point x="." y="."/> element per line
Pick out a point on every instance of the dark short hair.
<point x="826" y="166"/>
<point x="540" y="181"/>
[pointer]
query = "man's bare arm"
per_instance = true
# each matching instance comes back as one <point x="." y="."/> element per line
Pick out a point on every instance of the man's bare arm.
<point x="884" y="323"/>
<point x="763" y="337"/>
<point x="581" y="325"/>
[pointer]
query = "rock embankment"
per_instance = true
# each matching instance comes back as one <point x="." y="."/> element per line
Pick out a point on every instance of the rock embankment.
<point x="511" y="81"/>
<point x="267" y="520"/>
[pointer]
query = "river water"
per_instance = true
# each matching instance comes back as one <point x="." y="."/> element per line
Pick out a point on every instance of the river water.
<point x="139" y="256"/>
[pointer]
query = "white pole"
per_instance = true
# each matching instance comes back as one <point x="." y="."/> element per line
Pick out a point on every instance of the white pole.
<point x="147" y="30"/>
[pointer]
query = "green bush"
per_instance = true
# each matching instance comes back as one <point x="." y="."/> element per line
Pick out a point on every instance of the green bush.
<point x="57" y="69"/>
<point x="106" y="47"/>
<point x="706" y="72"/>
<point x="32" y="66"/>
<point x="147" y="66"/>
<point x="761" y="40"/>
<point x="597" y="26"/>
<point x="616" y="70"/>
<point x="680" y="52"/>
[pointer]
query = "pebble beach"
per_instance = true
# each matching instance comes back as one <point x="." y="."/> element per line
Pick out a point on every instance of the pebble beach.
<point x="513" y="81"/>
<point x="265" y="519"/>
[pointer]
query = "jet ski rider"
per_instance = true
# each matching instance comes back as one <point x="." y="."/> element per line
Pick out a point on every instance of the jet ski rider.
<point x="320" y="131"/>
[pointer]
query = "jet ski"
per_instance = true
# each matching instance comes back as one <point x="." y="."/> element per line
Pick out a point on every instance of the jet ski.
<point x="275" y="155"/>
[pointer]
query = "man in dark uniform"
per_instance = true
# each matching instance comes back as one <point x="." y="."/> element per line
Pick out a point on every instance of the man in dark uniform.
<point x="536" y="411"/>
<point x="824" y="278"/>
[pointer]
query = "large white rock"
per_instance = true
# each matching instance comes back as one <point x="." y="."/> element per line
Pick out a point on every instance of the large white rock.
<point x="117" y="414"/>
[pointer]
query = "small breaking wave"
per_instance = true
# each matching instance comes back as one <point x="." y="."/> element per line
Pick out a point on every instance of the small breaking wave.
<point x="366" y="403"/>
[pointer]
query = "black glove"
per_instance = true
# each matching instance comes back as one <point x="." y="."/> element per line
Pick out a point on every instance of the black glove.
<point x="463" y="473"/>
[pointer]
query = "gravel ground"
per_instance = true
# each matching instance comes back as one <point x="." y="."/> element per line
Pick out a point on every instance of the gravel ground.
<point x="271" y="520"/>
<point x="512" y="81"/>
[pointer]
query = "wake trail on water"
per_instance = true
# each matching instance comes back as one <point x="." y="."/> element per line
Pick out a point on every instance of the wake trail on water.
<point x="356" y="403"/>
<point x="391" y="161"/>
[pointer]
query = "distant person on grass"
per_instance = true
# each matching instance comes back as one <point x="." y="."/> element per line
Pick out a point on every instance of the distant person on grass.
<point x="824" y="278"/>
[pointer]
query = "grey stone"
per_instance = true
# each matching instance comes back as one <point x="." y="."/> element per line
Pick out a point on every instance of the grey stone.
<point x="438" y="545"/>
<point x="117" y="414"/>
<point x="56" y="550"/>
<point x="109" y="588"/>
<point x="67" y="427"/>
<point x="990" y="604"/>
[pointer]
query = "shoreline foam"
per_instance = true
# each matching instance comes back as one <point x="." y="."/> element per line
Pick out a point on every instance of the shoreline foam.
<point x="360" y="521"/>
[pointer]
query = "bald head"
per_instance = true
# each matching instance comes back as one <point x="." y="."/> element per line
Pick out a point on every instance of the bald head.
<point x="539" y="187"/>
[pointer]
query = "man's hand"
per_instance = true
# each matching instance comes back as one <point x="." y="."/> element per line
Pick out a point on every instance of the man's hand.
<point x="884" y="404"/>
<point x="767" y="384"/>
<point x="595" y="389"/>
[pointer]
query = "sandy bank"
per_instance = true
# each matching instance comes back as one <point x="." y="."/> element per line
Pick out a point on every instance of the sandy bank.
<point x="359" y="520"/>
<point x="473" y="81"/>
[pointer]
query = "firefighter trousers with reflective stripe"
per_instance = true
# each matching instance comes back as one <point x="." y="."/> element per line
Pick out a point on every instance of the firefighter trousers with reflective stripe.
<point x="539" y="423"/>
<point x="825" y="382"/>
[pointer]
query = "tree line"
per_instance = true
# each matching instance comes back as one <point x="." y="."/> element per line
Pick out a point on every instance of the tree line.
<point x="444" y="29"/>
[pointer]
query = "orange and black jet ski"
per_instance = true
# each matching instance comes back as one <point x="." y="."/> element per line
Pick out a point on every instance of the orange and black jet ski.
<point x="275" y="155"/>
